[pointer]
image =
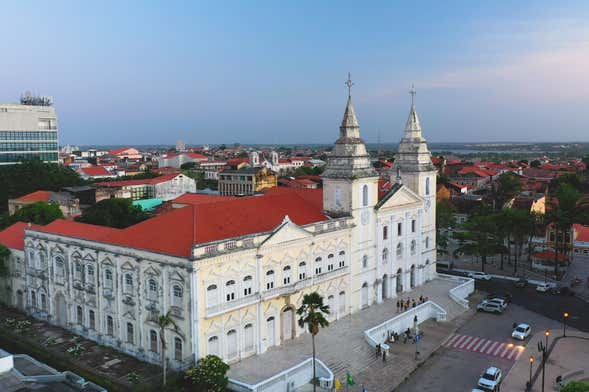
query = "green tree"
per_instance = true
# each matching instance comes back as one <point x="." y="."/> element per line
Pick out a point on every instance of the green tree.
<point x="39" y="213"/>
<point x="507" y="186"/>
<point x="535" y="163"/>
<point x="30" y="176"/>
<point x="312" y="314"/>
<point x="118" y="213"/>
<point x="445" y="220"/>
<point x="209" y="374"/>
<point x="520" y="224"/>
<point x="165" y="321"/>
<point x="576" y="386"/>
<point x="188" y="166"/>
<point x="565" y="210"/>
<point x="479" y="237"/>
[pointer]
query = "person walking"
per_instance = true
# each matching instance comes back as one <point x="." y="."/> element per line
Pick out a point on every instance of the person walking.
<point x="384" y="356"/>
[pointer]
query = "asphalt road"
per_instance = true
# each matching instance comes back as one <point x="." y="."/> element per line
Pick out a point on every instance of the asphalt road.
<point x="550" y="306"/>
<point x="454" y="368"/>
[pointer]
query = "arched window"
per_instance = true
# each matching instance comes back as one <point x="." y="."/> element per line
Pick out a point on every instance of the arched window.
<point x="128" y="284"/>
<point x="286" y="275"/>
<point x="177" y="295"/>
<point x="413" y="246"/>
<point x="365" y="261"/>
<point x="302" y="270"/>
<point x="427" y="186"/>
<point x="247" y="285"/>
<point x="41" y="260"/>
<point x="79" y="315"/>
<point x="152" y="289"/>
<point x="91" y="319"/>
<point x="399" y="249"/>
<point x="110" y="326"/>
<point x="385" y="255"/>
<point x="108" y="278"/>
<point x="33" y="299"/>
<point x="78" y="270"/>
<point x="43" y="302"/>
<point x="153" y="341"/>
<point x="230" y="290"/>
<point x="59" y="266"/>
<point x="269" y="280"/>
<point x="177" y="349"/>
<point x="342" y="259"/>
<point x="212" y="295"/>
<point x="232" y="343"/>
<point x="248" y="337"/>
<point x="213" y="348"/>
<point x="330" y="262"/>
<point x="130" y="333"/>
<point x="318" y="265"/>
<point x="365" y="195"/>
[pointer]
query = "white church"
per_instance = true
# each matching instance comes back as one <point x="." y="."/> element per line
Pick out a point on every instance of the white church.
<point x="232" y="271"/>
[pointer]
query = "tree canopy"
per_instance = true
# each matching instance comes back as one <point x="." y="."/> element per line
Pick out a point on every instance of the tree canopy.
<point x="576" y="386"/>
<point x="117" y="213"/>
<point x="40" y="213"/>
<point x="209" y="374"/>
<point x="30" y="176"/>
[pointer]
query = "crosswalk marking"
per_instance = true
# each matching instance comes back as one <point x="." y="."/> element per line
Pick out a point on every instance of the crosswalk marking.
<point x="484" y="346"/>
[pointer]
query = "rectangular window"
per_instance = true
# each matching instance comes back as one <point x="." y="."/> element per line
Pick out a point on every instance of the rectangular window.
<point x="413" y="226"/>
<point x="385" y="232"/>
<point x="400" y="229"/>
<point x="92" y="319"/>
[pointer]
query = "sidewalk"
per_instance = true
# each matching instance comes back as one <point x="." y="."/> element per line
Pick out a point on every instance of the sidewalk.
<point x="568" y="356"/>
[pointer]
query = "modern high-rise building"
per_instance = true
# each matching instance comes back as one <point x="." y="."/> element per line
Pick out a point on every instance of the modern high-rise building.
<point x="28" y="130"/>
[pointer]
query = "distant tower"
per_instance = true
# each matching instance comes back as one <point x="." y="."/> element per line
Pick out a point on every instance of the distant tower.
<point x="254" y="159"/>
<point x="180" y="145"/>
<point x="274" y="159"/>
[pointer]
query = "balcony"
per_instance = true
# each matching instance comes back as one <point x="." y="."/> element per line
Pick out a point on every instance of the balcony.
<point x="301" y="284"/>
<point x="232" y="305"/>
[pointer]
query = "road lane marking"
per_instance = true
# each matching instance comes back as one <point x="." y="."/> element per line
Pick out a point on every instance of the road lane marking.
<point x="490" y="350"/>
<point x="468" y="339"/>
<point x="459" y="341"/>
<point x="474" y="341"/>
<point x="479" y="344"/>
<point x="482" y="350"/>
<point x="498" y="349"/>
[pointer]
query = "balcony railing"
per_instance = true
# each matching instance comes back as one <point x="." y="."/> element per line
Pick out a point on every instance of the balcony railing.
<point x="232" y="305"/>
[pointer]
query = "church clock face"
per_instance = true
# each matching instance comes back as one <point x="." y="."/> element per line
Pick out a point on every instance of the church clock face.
<point x="365" y="216"/>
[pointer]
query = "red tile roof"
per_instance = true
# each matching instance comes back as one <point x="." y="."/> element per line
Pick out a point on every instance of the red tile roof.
<point x="205" y="219"/>
<point x="582" y="232"/>
<point x="199" y="198"/>
<point x="36" y="196"/>
<point x="549" y="255"/>
<point x="477" y="171"/>
<point x="120" y="151"/>
<point x="95" y="171"/>
<point x="145" y="181"/>
<point x="13" y="237"/>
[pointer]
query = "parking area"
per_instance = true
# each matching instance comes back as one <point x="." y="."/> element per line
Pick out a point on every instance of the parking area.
<point x="483" y="341"/>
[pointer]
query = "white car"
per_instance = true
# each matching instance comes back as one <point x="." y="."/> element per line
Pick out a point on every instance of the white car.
<point x="490" y="307"/>
<point x="544" y="287"/>
<point x="521" y="332"/>
<point x="479" y="275"/>
<point x="501" y="302"/>
<point x="490" y="379"/>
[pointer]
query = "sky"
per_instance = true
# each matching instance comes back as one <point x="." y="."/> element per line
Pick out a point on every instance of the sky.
<point x="273" y="72"/>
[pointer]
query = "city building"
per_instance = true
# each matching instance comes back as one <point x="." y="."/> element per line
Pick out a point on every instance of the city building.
<point x="178" y="159"/>
<point x="28" y="130"/>
<point x="69" y="205"/>
<point x="165" y="187"/>
<point x="232" y="271"/>
<point x="246" y="181"/>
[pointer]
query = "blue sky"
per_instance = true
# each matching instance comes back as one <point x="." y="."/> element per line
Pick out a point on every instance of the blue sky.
<point x="126" y="72"/>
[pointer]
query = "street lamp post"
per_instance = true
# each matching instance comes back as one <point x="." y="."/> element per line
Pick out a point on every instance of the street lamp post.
<point x="565" y="316"/>
<point x="530" y="381"/>
<point x="543" y="348"/>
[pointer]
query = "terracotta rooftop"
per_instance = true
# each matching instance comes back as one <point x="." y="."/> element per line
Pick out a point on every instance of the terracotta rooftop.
<point x="582" y="232"/>
<point x="13" y="236"/>
<point x="36" y="196"/>
<point x="145" y="181"/>
<point x="93" y="171"/>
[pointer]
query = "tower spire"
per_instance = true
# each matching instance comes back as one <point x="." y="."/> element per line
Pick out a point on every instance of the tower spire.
<point x="349" y="83"/>
<point x="412" y="92"/>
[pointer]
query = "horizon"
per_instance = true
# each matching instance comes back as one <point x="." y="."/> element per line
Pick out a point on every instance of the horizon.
<point x="225" y="73"/>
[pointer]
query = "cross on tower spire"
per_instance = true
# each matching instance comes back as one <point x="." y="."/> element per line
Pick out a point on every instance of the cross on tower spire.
<point x="349" y="83"/>
<point x="412" y="92"/>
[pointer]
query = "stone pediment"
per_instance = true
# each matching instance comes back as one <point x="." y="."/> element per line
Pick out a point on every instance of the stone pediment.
<point x="286" y="232"/>
<point x="398" y="196"/>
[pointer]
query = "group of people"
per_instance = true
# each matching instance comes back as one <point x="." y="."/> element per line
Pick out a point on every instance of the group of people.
<point x="403" y="305"/>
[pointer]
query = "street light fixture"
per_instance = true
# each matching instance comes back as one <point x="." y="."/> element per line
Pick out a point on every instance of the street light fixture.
<point x="565" y="316"/>
<point x="543" y="348"/>
<point x="531" y="364"/>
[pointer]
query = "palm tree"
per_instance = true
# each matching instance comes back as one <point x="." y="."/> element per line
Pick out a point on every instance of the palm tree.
<point x="480" y="238"/>
<point x="165" y="321"/>
<point x="312" y="314"/>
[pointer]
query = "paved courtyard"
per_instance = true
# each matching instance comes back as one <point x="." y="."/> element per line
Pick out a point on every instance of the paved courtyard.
<point x="342" y="347"/>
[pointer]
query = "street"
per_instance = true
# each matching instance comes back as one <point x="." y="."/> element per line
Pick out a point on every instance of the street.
<point x="485" y="340"/>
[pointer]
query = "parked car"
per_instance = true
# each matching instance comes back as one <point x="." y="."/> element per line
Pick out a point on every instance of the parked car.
<point x="490" y="307"/>
<point x="521" y="331"/>
<point x="561" y="290"/>
<point x="521" y="283"/>
<point x="479" y="275"/>
<point x="544" y="287"/>
<point x="504" y="296"/>
<point x="490" y="379"/>
<point x="501" y="302"/>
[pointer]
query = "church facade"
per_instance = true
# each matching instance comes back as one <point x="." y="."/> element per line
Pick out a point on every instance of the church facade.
<point x="231" y="272"/>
